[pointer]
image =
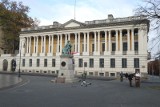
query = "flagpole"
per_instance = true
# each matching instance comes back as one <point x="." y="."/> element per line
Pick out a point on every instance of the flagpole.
<point x="75" y="10"/>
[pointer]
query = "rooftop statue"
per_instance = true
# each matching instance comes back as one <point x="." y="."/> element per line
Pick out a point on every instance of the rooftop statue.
<point x="67" y="49"/>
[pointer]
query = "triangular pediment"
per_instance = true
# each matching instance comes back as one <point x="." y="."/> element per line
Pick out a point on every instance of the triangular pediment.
<point x="73" y="23"/>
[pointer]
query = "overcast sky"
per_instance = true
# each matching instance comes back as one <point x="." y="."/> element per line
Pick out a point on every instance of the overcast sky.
<point x="48" y="11"/>
<point x="62" y="11"/>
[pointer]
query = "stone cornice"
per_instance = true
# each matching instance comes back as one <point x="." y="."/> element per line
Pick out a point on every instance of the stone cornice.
<point x="86" y="26"/>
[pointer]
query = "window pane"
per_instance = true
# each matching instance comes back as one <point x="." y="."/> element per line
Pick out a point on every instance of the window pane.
<point x="38" y="61"/>
<point x="112" y="63"/>
<point x="125" y="46"/>
<point x="103" y="47"/>
<point x="30" y="62"/>
<point x="113" y="46"/>
<point x="136" y="46"/>
<point x="124" y="63"/>
<point x="53" y="63"/>
<point x="92" y="47"/>
<point x="23" y="63"/>
<point x="136" y="62"/>
<point x="45" y="62"/>
<point x="91" y="63"/>
<point x="80" y="62"/>
<point x="101" y="63"/>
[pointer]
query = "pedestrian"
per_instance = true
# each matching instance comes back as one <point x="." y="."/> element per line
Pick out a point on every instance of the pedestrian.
<point x="137" y="78"/>
<point x="121" y="76"/>
<point x="130" y="76"/>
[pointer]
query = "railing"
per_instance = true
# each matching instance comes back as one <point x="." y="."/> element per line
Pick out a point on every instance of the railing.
<point x="131" y="18"/>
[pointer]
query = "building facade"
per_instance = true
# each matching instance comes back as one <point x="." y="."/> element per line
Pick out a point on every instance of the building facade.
<point x="100" y="47"/>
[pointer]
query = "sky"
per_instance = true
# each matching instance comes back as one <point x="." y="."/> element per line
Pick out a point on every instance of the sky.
<point x="62" y="11"/>
<point x="48" y="11"/>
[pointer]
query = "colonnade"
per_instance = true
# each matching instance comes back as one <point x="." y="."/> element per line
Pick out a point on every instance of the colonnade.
<point x="85" y="41"/>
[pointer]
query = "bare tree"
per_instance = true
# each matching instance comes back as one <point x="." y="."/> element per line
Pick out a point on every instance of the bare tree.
<point x="151" y="9"/>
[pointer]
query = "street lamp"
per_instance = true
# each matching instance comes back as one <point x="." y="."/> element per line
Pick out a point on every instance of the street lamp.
<point x="20" y="48"/>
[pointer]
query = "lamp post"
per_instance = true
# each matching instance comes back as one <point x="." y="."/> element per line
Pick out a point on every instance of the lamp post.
<point x="20" y="48"/>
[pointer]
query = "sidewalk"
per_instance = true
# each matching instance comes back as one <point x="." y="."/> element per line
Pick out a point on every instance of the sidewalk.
<point x="153" y="79"/>
<point x="8" y="80"/>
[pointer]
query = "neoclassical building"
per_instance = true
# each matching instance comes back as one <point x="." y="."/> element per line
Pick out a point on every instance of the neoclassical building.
<point x="100" y="47"/>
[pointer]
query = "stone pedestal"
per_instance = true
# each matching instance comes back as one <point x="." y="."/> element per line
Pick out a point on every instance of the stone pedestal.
<point x="66" y="69"/>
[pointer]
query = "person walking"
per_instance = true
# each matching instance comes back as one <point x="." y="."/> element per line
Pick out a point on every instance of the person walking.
<point x="121" y="76"/>
<point x="130" y="77"/>
<point x="137" y="78"/>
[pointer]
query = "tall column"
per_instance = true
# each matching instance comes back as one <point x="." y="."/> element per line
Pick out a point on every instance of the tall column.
<point x="34" y="47"/>
<point x="128" y="39"/>
<point x="52" y="39"/>
<point x="37" y="45"/>
<point x="75" y="42"/>
<point x="69" y="37"/>
<point x="105" y="40"/>
<point x="57" y="43"/>
<point x="84" y="42"/>
<point x="88" y="42"/>
<point x="27" y="44"/>
<point x="44" y="44"/>
<point x="65" y="39"/>
<point x="79" y="42"/>
<point x="60" y="43"/>
<point x="109" y="45"/>
<point x="49" y="43"/>
<point x="121" y="40"/>
<point x="132" y="39"/>
<point x="41" y="44"/>
<point x="98" y="41"/>
<point x="30" y="45"/>
<point x="116" y="40"/>
<point x="95" y="44"/>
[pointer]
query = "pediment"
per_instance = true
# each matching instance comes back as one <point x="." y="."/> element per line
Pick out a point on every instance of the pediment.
<point x="73" y="23"/>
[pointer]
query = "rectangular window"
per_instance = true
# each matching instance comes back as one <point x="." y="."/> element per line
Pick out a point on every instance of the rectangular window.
<point x="124" y="46"/>
<point x="45" y="62"/>
<point x="103" y="35"/>
<point x="23" y="62"/>
<point x="112" y="63"/>
<point x="91" y="63"/>
<point x="113" y="46"/>
<point x="136" y="46"/>
<point x="101" y="63"/>
<point x="53" y="62"/>
<point x="82" y="47"/>
<point x="30" y="62"/>
<point x="103" y="47"/>
<point x="92" y="47"/>
<point x="80" y="62"/>
<point x="124" y="63"/>
<point x="136" y="62"/>
<point x="38" y="62"/>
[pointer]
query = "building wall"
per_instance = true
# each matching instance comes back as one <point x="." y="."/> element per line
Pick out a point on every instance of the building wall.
<point x="129" y="54"/>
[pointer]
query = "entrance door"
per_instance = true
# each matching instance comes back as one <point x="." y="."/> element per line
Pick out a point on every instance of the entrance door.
<point x="5" y="65"/>
<point x="13" y="65"/>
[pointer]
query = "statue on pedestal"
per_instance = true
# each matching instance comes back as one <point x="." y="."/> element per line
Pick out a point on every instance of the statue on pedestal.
<point x="67" y="49"/>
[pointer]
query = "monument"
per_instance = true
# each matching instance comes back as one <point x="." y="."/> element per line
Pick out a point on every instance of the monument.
<point x="66" y="72"/>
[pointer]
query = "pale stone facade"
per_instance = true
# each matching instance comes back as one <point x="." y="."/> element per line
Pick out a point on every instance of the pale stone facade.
<point x="107" y="47"/>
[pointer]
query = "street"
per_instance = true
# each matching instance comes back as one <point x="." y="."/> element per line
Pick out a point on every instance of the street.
<point x="39" y="91"/>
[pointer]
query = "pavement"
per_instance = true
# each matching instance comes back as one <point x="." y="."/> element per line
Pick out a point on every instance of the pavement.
<point x="9" y="80"/>
<point x="41" y="92"/>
